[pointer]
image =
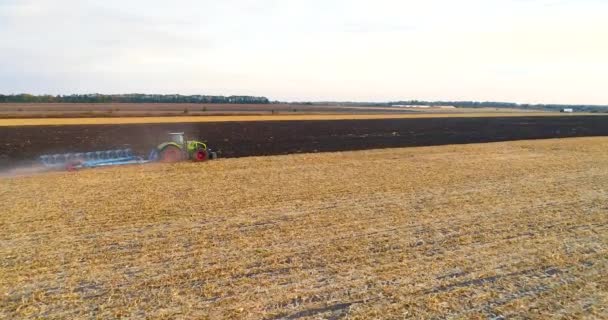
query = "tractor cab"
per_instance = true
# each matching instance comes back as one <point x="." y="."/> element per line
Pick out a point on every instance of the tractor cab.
<point x="180" y="149"/>
<point x="177" y="137"/>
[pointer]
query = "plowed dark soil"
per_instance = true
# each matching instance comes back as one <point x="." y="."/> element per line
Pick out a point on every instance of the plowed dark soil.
<point x="238" y="139"/>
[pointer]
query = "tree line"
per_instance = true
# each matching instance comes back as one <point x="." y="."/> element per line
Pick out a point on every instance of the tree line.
<point x="177" y="98"/>
<point x="504" y="105"/>
<point x="468" y="104"/>
<point x="130" y="98"/>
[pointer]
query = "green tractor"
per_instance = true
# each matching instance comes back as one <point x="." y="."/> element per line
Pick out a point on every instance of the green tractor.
<point x="180" y="149"/>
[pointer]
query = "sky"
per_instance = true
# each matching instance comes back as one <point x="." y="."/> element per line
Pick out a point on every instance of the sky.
<point x="528" y="51"/>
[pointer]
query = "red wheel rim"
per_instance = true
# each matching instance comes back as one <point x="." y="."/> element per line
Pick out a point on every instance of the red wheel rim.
<point x="171" y="155"/>
<point x="200" y="156"/>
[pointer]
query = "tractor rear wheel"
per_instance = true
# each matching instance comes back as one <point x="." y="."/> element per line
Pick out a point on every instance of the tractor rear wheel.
<point x="170" y="154"/>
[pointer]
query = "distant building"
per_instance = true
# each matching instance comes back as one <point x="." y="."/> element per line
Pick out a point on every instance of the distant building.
<point x="421" y="106"/>
<point x="408" y="106"/>
<point x="567" y="110"/>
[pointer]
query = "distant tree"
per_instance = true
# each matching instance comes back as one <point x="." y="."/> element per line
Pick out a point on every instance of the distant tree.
<point x="130" y="98"/>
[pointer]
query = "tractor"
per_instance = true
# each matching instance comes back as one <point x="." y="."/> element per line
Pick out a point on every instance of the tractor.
<point x="180" y="149"/>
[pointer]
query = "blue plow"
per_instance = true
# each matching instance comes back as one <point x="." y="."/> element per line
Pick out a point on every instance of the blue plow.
<point x="72" y="161"/>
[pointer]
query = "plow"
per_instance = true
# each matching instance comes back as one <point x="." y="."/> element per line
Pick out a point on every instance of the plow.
<point x="176" y="150"/>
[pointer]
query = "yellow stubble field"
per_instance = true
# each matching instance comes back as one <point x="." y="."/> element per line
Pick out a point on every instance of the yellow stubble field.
<point x="501" y="230"/>
<point x="11" y="122"/>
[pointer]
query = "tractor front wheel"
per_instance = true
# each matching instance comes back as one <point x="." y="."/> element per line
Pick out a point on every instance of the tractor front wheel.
<point x="200" y="155"/>
<point x="170" y="154"/>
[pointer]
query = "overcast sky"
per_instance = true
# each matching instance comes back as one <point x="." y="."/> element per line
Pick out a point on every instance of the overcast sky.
<point x="549" y="51"/>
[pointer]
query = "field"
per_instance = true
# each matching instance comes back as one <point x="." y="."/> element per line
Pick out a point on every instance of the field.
<point x="105" y="110"/>
<point x="482" y="231"/>
<point x="61" y="121"/>
<point x="251" y="136"/>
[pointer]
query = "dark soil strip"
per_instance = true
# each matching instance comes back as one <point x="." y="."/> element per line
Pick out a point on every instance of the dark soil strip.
<point x="340" y="307"/>
<point x="239" y="139"/>
<point x="547" y="272"/>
